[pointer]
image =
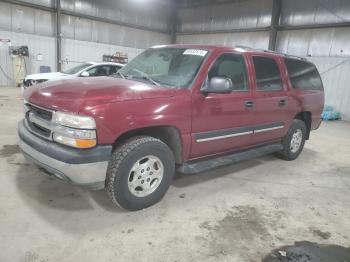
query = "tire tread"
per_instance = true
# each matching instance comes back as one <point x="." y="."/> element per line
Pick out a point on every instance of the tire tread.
<point x="117" y="158"/>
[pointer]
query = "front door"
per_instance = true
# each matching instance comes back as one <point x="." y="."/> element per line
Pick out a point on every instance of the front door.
<point x="221" y="122"/>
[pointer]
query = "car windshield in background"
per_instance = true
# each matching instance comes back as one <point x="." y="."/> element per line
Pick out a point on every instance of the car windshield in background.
<point x="76" y="69"/>
<point x="175" y="67"/>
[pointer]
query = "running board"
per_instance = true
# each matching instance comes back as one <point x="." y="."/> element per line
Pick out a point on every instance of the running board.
<point x="204" y="165"/>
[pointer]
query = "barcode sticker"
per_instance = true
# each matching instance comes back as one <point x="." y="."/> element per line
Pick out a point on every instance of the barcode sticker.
<point x="195" y="52"/>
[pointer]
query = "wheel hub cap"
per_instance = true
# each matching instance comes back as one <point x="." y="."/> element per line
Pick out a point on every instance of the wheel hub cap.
<point x="296" y="141"/>
<point x="145" y="176"/>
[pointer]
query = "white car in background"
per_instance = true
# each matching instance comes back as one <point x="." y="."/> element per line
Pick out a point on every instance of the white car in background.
<point x="83" y="70"/>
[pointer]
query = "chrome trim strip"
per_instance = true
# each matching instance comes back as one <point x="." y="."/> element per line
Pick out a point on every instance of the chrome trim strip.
<point x="224" y="136"/>
<point x="43" y="108"/>
<point x="253" y="130"/>
<point x="267" y="129"/>
<point x="39" y="121"/>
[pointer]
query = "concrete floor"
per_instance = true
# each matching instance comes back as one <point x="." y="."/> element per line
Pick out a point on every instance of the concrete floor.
<point x="241" y="212"/>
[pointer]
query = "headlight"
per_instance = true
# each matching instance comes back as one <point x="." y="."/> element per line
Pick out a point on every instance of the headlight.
<point x="75" y="121"/>
<point x="73" y="130"/>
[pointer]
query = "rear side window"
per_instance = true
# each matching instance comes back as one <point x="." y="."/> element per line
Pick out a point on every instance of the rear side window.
<point x="303" y="75"/>
<point x="268" y="77"/>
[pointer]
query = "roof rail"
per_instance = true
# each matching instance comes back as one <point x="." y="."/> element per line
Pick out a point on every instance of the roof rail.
<point x="271" y="52"/>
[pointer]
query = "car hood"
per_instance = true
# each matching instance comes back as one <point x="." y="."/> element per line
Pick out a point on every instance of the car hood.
<point x="75" y="94"/>
<point x="47" y="76"/>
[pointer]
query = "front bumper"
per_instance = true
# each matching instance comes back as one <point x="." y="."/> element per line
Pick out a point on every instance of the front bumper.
<point x="85" y="167"/>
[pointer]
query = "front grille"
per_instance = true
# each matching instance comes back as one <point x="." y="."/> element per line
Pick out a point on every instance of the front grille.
<point x="39" y="129"/>
<point x="30" y="82"/>
<point x="27" y="83"/>
<point x="40" y="112"/>
<point x="39" y="120"/>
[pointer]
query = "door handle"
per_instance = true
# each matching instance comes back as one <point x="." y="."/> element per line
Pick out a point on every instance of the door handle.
<point x="249" y="104"/>
<point x="282" y="102"/>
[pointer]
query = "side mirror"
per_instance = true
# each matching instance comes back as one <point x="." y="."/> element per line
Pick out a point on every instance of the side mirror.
<point x="85" y="74"/>
<point x="218" y="85"/>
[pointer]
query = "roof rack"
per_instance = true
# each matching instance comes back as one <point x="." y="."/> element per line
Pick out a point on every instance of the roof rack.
<point x="270" y="52"/>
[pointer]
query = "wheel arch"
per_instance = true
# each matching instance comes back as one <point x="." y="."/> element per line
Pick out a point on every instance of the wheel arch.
<point x="306" y="117"/>
<point x="169" y="135"/>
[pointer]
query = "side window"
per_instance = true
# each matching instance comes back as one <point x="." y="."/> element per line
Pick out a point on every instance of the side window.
<point x="99" y="71"/>
<point x="231" y="66"/>
<point x="268" y="77"/>
<point x="113" y="70"/>
<point x="303" y="75"/>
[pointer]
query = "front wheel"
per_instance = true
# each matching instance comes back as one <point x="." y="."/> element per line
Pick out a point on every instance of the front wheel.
<point x="293" y="143"/>
<point x="139" y="173"/>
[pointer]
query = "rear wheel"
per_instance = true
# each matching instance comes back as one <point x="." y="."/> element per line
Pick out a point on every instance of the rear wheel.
<point x="293" y="143"/>
<point x="139" y="173"/>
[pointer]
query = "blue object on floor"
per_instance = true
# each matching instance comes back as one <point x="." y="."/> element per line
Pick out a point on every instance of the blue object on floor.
<point x="328" y="115"/>
<point x="45" y="69"/>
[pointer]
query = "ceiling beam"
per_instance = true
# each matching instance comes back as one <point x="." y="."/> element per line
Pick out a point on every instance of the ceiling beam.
<point x="228" y="31"/>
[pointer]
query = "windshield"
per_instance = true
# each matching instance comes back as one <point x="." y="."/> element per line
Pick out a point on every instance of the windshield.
<point x="165" y="66"/>
<point x="76" y="69"/>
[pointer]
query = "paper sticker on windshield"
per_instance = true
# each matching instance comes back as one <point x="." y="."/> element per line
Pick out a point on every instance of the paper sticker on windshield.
<point x="195" y="52"/>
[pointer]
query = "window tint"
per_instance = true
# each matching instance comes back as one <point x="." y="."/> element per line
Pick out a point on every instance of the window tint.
<point x="99" y="71"/>
<point x="268" y="77"/>
<point x="76" y="69"/>
<point x="113" y="70"/>
<point x="303" y="75"/>
<point x="231" y="66"/>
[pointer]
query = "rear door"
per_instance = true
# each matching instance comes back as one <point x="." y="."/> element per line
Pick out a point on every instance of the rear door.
<point x="270" y="99"/>
<point x="222" y="122"/>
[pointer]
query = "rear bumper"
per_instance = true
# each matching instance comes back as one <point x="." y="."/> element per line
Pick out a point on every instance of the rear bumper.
<point x="81" y="167"/>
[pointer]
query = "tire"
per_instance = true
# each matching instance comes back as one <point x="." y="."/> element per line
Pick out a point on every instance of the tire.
<point x="139" y="160"/>
<point x="290" y="150"/>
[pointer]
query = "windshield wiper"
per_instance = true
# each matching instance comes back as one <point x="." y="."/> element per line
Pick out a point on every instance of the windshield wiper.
<point x="146" y="77"/>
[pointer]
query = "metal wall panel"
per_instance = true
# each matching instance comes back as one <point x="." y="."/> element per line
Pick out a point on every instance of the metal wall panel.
<point x="316" y="42"/>
<point x="36" y="44"/>
<point x="44" y="23"/>
<point x="47" y="3"/>
<point x="301" y="12"/>
<point x="27" y="20"/>
<point x="67" y="26"/>
<point x="83" y="29"/>
<point x="5" y="16"/>
<point x="226" y="16"/>
<point x="335" y="75"/>
<point x="22" y="19"/>
<point x="152" y="14"/>
<point x="101" y="32"/>
<point x="88" y="30"/>
<point x="258" y="40"/>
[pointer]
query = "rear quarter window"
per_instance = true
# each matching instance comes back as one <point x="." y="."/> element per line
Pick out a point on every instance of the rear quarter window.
<point x="303" y="75"/>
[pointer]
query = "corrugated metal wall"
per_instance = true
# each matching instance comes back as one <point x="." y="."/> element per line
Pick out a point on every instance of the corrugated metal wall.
<point x="253" y="39"/>
<point x="328" y="48"/>
<point x="225" y="16"/>
<point x="83" y="39"/>
<point x="195" y="23"/>
<point x="153" y="14"/>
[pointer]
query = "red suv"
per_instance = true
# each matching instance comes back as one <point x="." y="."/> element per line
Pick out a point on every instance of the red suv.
<point x="180" y="107"/>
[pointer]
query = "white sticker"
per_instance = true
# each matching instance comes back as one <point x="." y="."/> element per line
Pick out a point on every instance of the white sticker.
<point x="195" y="52"/>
